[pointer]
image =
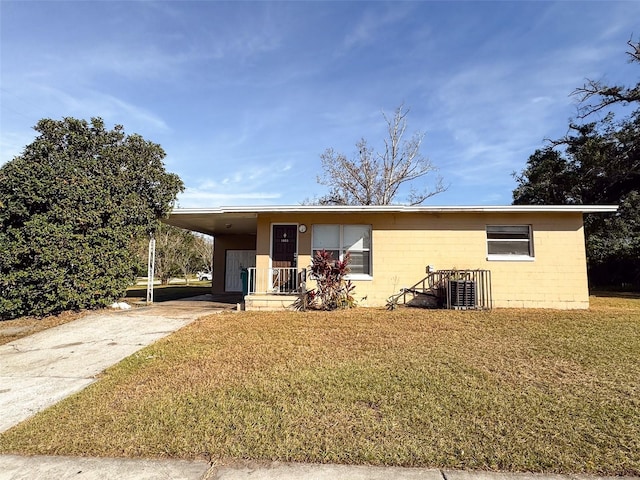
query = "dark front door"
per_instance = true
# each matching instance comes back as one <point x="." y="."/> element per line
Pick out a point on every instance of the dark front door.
<point x="284" y="257"/>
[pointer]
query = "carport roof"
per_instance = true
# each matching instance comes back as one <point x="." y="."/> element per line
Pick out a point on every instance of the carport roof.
<point x="243" y="219"/>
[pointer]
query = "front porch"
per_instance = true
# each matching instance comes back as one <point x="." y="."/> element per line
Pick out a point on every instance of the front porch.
<point x="273" y="288"/>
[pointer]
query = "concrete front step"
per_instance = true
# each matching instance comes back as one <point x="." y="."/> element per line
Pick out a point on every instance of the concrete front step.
<point x="269" y="302"/>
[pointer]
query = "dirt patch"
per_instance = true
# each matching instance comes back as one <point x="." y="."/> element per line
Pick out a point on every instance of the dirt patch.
<point x="11" y="330"/>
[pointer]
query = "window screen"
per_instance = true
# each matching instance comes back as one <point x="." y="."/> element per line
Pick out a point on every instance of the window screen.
<point x="509" y="240"/>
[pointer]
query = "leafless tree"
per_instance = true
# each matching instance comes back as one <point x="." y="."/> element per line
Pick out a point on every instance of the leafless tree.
<point x="176" y="253"/>
<point x="204" y="248"/>
<point x="184" y="256"/>
<point x="607" y="95"/>
<point x="172" y="252"/>
<point x="374" y="178"/>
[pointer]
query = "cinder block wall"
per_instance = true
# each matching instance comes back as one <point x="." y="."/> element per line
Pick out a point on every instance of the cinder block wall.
<point x="403" y="244"/>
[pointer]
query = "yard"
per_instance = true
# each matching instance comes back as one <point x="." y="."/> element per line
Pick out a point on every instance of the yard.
<point x="513" y="390"/>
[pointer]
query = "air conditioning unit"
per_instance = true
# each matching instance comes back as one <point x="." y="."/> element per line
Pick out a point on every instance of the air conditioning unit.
<point x="462" y="294"/>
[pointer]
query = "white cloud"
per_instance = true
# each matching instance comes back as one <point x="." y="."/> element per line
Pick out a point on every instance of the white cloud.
<point x="56" y="101"/>
<point x="198" y="198"/>
<point x="368" y="27"/>
<point x="239" y="183"/>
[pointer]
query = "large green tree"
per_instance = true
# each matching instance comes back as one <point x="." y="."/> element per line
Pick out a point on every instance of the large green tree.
<point x="70" y="206"/>
<point x="596" y="163"/>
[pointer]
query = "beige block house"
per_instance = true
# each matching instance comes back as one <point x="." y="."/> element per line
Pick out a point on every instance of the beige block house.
<point x="535" y="254"/>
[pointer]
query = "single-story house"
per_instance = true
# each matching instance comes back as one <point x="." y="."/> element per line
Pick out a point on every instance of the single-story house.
<point x="534" y="255"/>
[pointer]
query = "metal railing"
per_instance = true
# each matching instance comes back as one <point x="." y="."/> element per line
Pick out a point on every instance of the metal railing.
<point x="452" y="289"/>
<point x="468" y="289"/>
<point x="285" y="280"/>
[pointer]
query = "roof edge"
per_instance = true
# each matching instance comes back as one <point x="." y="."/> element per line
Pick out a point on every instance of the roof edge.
<point x="399" y="209"/>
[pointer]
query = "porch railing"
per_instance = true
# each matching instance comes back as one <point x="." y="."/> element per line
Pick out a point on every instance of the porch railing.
<point x="286" y="280"/>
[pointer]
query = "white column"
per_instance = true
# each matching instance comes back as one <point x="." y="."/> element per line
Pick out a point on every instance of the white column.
<point x="151" y="267"/>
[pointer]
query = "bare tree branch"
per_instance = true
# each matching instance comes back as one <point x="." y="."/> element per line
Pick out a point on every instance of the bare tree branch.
<point x="203" y="246"/>
<point x="606" y="95"/>
<point x="375" y="178"/>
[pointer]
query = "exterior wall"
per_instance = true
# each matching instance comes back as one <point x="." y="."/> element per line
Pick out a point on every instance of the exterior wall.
<point x="263" y="242"/>
<point x="221" y="245"/>
<point x="403" y="244"/>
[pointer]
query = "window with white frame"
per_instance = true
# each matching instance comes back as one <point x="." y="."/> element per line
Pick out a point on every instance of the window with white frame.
<point x="509" y="242"/>
<point x="340" y="239"/>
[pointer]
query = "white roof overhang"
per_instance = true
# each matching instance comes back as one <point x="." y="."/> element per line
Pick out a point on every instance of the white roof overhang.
<point x="243" y="220"/>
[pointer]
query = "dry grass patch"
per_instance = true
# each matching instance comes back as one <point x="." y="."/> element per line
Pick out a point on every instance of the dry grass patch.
<point x="508" y="390"/>
<point x="11" y="330"/>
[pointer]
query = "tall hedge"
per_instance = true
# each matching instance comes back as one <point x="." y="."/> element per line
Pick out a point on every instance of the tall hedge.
<point x="69" y="207"/>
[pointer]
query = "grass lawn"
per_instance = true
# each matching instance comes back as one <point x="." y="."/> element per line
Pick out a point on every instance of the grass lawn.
<point x="513" y="390"/>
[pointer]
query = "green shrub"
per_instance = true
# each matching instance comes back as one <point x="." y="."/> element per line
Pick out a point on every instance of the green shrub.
<point x="70" y="206"/>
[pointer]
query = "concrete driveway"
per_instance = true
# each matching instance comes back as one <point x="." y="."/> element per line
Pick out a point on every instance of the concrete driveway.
<point x="40" y="370"/>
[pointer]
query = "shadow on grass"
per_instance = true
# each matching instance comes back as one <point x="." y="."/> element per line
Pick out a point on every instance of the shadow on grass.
<point x="614" y="294"/>
<point x="169" y="292"/>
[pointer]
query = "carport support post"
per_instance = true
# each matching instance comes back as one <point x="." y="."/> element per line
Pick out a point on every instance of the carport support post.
<point x="151" y="267"/>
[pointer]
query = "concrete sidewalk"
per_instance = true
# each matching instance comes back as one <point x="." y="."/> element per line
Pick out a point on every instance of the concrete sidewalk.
<point x="297" y="471"/>
<point x="14" y="467"/>
<point x="40" y="370"/>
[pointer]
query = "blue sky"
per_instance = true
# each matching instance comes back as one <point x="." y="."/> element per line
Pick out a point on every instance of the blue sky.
<point x="245" y="96"/>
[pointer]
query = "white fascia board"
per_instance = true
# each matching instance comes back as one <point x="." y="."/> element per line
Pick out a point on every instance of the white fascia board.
<point x="254" y="210"/>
